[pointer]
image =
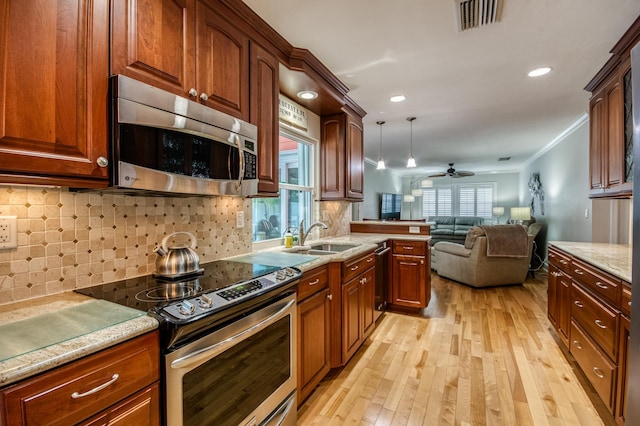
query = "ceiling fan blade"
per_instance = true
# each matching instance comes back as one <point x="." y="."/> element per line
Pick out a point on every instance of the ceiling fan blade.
<point x="465" y="173"/>
<point x="438" y="175"/>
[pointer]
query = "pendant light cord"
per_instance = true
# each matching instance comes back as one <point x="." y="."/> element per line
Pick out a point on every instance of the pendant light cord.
<point x="380" y="123"/>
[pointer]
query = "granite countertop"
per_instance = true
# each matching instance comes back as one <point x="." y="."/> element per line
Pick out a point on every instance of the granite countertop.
<point x="40" y="334"/>
<point x="612" y="258"/>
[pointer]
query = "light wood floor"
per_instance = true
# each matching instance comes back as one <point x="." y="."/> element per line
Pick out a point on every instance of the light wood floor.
<point x="474" y="357"/>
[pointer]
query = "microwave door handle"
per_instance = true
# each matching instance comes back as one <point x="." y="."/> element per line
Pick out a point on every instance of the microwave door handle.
<point x="242" y="165"/>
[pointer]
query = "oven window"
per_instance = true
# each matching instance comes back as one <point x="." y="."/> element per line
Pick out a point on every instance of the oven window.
<point x="226" y="389"/>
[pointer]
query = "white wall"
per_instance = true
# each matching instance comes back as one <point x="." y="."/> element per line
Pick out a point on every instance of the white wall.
<point x="564" y="174"/>
<point x="375" y="183"/>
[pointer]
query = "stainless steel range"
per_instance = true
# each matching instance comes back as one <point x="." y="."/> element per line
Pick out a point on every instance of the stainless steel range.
<point x="228" y="341"/>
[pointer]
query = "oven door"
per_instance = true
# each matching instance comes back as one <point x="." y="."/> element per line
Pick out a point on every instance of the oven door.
<point x="241" y="374"/>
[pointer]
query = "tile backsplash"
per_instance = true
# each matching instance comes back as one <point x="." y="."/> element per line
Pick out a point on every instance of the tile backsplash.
<point x="69" y="240"/>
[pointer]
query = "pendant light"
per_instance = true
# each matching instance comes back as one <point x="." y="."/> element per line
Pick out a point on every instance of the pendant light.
<point x="381" y="165"/>
<point x="411" y="162"/>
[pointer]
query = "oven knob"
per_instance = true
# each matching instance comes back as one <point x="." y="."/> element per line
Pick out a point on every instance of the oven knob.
<point x="280" y="275"/>
<point x="205" y="301"/>
<point x="187" y="308"/>
<point x="290" y="272"/>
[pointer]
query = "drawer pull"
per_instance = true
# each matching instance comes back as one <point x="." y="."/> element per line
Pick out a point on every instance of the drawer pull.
<point x="407" y="248"/>
<point x="564" y="262"/>
<point x="369" y="260"/>
<point x="601" y="285"/>
<point x="600" y="324"/>
<point x="355" y="268"/>
<point x="577" y="344"/>
<point x="330" y="296"/>
<point x="578" y="271"/>
<point x="578" y="304"/>
<point x="629" y="303"/>
<point x="77" y="395"/>
<point x="598" y="372"/>
<point x="317" y="280"/>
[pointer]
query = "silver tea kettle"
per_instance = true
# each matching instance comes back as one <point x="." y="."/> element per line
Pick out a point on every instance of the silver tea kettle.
<point x="178" y="260"/>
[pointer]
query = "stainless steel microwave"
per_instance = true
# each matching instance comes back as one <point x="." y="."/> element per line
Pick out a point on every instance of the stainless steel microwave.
<point x="164" y="143"/>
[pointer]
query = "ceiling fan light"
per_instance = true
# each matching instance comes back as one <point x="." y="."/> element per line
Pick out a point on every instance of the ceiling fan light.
<point x="411" y="163"/>
<point x="381" y="165"/>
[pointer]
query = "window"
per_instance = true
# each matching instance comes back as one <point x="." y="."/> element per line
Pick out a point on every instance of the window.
<point x="273" y="216"/>
<point x="460" y="200"/>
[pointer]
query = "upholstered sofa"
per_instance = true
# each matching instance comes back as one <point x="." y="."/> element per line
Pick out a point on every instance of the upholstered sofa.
<point x="452" y="228"/>
<point x="500" y="258"/>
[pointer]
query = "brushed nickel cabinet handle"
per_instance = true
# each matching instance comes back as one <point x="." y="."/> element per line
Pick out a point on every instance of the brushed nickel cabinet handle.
<point x="408" y="248"/>
<point x="102" y="161"/>
<point x="564" y="262"/>
<point x="355" y="268"/>
<point x="330" y="296"/>
<point x="193" y="92"/>
<point x="316" y="281"/>
<point x="577" y="344"/>
<point x="578" y="304"/>
<point x="578" y="271"/>
<point x="600" y="324"/>
<point x="598" y="372"/>
<point x="77" y="395"/>
<point x="369" y="260"/>
<point x="204" y="96"/>
<point x="601" y="285"/>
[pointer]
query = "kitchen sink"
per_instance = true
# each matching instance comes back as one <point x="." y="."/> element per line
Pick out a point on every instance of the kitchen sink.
<point x="335" y="248"/>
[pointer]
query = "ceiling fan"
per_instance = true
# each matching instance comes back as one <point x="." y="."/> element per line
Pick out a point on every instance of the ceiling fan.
<point x="452" y="173"/>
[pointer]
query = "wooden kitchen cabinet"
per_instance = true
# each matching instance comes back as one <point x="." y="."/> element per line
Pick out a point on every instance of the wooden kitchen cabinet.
<point x="410" y="272"/>
<point x="352" y="284"/>
<point x="54" y="92"/>
<point x="593" y="321"/>
<point x="265" y="113"/>
<point x="314" y="330"/>
<point x="73" y="393"/>
<point x="611" y="122"/>
<point x="184" y="47"/>
<point x="342" y="157"/>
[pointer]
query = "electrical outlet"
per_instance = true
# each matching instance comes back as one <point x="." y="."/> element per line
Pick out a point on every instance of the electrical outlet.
<point x="240" y="219"/>
<point x="8" y="232"/>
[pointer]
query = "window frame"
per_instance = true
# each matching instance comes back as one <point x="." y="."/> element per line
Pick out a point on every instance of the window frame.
<point x="455" y="190"/>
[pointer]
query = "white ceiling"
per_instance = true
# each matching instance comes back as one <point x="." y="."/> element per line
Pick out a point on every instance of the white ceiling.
<point x="469" y="91"/>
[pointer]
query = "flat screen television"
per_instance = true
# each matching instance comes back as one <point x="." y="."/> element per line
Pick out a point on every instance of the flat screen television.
<point x="390" y="205"/>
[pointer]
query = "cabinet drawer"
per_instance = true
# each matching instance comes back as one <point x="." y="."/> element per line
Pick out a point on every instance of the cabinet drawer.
<point x="625" y="303"/>
<point x="312" y="282"/>
<point x="560" y="260"/>
<point x="72" y="393"/>
<point x="351" y="268"/>
<point x="418" y="248"/>
<point x="597" y="281"/>
<point x="598" y="369"/>
<point x="596" y="318"/>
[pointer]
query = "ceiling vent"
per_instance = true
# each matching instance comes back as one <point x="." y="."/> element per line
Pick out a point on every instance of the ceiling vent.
<point x="475" y="13"/>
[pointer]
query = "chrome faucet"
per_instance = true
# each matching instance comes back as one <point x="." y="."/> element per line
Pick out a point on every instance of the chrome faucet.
<point x="302" y="235"/>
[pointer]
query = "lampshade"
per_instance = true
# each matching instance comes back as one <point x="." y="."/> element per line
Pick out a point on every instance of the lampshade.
<point x="411" y="162"/>
<point x="381" y="165"/>
<point x="408" y="198"/>
<point x="520" y="213"/>
<point x="416" y="192"/>
<point x="498" y="211"/>
<point x="426" y="183"/>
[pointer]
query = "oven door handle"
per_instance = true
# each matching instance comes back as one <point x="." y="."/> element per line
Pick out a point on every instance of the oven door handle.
<point x="194" y="358"/>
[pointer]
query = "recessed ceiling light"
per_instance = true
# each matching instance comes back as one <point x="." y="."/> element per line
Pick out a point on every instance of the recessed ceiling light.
<point x="397" y="98"/>
<point x="539" y="71"/>
<point x="307" y="94"/>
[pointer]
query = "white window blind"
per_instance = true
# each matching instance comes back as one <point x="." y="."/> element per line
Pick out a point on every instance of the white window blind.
<point x="460" y="200"/>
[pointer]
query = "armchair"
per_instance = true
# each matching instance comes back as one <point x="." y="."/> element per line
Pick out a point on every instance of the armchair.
<point x="491" y="256"/>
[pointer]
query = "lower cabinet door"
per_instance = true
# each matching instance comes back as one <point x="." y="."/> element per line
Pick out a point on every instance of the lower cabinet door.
<point x="351" y="318"/>
<point x="409" y="281"/>
<point x="314" y="338"/>
<point x="621" y="400"/>
<point x="141" y="409"/>
<point x="600" y="371"/>
<point x="368" y="301"/>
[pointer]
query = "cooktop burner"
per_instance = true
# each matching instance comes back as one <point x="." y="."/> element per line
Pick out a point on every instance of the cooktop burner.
<point x="147" y="292"/>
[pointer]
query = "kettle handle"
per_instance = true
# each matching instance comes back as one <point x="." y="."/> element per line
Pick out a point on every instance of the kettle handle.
<point x="164" y="241"/>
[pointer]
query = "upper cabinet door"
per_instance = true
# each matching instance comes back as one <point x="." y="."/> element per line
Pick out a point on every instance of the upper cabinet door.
<point x="355" y="159"/>
<point x="332" y="149"/>
<point x="153" y="41"/>
<point x="54" y="91"/>
<point x="264" y="114"/>
<point x="222" y="65"/>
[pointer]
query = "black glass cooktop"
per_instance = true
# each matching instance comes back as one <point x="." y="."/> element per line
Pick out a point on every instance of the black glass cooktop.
<point x="147" y="292"/>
